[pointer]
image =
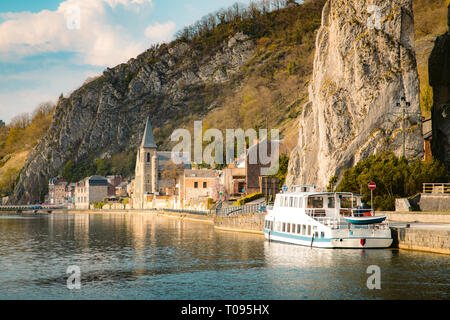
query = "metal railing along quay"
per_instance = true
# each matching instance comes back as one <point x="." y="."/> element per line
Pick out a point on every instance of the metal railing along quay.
<point x="196" y="212"/>
<point x="438" y="188"/>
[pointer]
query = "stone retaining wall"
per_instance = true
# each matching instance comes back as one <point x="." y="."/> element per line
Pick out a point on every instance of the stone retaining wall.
<point x="246" y="222"/>
<point x="430" y="240"/>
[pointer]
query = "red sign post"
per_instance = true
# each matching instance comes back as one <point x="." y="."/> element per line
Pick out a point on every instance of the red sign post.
<point x="372" y="186"/>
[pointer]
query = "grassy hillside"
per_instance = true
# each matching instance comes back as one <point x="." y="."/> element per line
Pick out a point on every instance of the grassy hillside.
<point x="17" y="139"/>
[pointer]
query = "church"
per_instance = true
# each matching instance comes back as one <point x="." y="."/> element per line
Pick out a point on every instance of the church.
<point x="149" y="165"/>
<point x="146" y="173"/>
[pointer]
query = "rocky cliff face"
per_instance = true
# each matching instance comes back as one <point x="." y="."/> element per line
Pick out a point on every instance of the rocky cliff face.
<point x="362" y="68"/>
<point x="108" y="114"/>
<point x="439" y="71"/>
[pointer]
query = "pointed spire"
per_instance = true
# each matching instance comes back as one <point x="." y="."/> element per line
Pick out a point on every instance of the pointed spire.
<point x="148" y="141"/>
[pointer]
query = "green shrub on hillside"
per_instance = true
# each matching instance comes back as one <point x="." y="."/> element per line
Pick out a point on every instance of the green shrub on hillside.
<point x="249" y="198"/>
<point x="395" y="178"/>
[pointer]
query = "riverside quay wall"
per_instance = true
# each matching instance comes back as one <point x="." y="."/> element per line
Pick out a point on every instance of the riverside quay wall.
<point x="432" y="239"/>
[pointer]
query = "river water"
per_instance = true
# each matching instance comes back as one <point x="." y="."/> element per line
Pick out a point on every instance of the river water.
<point x="154" y="257"/>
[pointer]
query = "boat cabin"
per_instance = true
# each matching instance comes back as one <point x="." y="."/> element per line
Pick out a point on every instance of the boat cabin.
<point x="321" y="204"/>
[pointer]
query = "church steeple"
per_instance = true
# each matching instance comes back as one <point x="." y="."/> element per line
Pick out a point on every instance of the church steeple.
<point x="148" y="141"/>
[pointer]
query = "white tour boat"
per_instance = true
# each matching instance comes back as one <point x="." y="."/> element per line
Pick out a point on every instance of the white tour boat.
<point x="325" y="220"/>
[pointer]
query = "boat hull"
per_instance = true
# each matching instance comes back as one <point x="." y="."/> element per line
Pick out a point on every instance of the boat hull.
<point x="366" y="220"/>
<point x="333" y="243"/>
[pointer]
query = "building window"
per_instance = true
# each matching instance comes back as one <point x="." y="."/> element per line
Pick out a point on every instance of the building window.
<point x="196" y="185"/>
<point x="148" y="157"/>
<point x="205" y="185"/>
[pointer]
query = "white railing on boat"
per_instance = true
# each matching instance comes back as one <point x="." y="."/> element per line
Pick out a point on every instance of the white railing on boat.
<point x="337" y="222"/>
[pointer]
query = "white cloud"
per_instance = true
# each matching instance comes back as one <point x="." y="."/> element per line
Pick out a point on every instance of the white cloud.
<point x="98" y="40"/>
<point x="47" y="85"/>
<point x="160" y="32"/>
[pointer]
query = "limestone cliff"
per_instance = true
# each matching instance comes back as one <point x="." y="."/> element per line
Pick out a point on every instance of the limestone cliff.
<point x="107" y="115"/>
<point x="362" y="68"/>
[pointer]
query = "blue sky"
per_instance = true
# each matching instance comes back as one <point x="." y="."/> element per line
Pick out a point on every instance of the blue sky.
<point x="49" y="47"/>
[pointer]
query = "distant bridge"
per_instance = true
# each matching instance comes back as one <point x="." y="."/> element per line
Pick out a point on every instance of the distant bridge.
<point x="29" y="208"/>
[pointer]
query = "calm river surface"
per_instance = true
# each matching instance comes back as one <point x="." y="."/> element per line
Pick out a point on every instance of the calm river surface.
<point x="154" y="257"/>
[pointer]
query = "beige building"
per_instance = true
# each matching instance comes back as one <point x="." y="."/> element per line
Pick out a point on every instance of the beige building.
<point x="89" y="190"/>
<point x="197" y="186"/>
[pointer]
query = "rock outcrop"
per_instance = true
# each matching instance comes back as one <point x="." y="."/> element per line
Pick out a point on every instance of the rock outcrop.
<point x="364" y="64"/>
<point x="439" y="73"/>
<point x="107" y="115"/>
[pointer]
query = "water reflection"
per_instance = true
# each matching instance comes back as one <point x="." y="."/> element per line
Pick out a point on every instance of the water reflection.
<point x="126" y="256"/>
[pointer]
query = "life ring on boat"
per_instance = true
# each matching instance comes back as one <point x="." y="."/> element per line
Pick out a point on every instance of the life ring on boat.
<point x="363" y="242"/>
<point x="367" y="214"/>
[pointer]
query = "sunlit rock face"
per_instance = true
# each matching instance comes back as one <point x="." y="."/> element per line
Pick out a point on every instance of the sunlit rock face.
<point x="364" y="64"/>
<point x="108" y="114"/>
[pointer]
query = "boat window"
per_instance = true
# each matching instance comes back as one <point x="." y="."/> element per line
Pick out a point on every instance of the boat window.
<point x="300" y="202"/>
<point x="284" y="226"/>
<point x="322" y="234"/>
<point x="315" y="202"/>
<point x="295" y="202"/>
<point x="278" y="226"/>
<point x="346" y="202"/>
<point x="299" y="228"/>
<point x="303" y="229"/>
<point x="288" y="228"/>
<point x="291" y="202"/>
<point x="316" y="234"/>
<point x="285" y="201"/>
<point x="309" y="230"/>
<point x="331" y="203"/>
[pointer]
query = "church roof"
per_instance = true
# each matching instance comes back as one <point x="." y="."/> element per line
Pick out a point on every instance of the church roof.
<point x="148" y="141"/>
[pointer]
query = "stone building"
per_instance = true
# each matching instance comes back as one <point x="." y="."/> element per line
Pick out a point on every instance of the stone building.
<point x="57" y="191"/>
<point x="89" y="190"/>
<point x="255" y="164"/>
<point x="244" y="177"/>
